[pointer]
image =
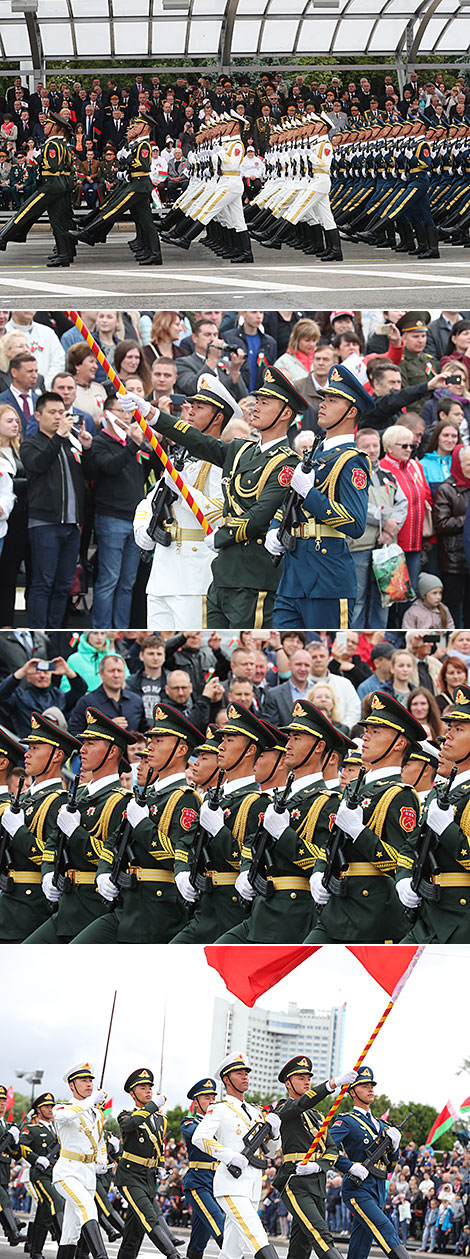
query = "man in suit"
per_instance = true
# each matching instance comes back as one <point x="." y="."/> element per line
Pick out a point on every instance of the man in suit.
<point x="279" y="699"/>
<point x="168" y="122"/>
<point x="23" y="394"/>
<point x="114" y="129"/>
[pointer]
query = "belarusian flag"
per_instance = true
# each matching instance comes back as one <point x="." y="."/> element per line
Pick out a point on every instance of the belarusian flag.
<point x="465" y="1105"/>
<point x="108" y="1104"/>
<point x="447" y="1117"/>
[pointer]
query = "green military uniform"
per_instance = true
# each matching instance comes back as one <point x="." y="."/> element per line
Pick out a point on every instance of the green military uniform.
<point x="7" y="1218"/>
<point x="304" y="1196"/>
<point x="101" y="809"/>
<point x="39" y="1141"/>
<point x="53" y="195"/>
<point x="446" y="918"/>
<point x="143" y="1134"/>
<point x="371" y="911"/>
<point x="218" y="908"/>
<point x="413" y="367"/>
<point x="288" y="913"/>
<point x="133" y="194"/>
<point x="151" y="910"/>
<point x="254" y="483"/>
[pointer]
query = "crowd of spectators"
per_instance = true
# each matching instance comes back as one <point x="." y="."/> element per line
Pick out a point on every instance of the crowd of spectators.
<point x="74" y="466"/>
<point x="99" y="114"/>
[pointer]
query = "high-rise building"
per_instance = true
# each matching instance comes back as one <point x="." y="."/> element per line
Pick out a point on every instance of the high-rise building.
<point x="271" y="1037"/>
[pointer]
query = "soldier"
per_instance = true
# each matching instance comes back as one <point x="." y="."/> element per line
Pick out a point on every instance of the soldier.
<point x="351" y="765"/>
<point x="446" y="916"/>
<point x="143" y="1134"/>
<point x="11" y="755"/>
<point x="205" y="768"/>
<point x="79" y="1126"/>
<point x="7" y="1218"/>
<point x="33" y="829"/>
<point x="296" y="835"/>
<point x="54" y="194"/>
<point x="39" y="1146"/>
<point x="333" y="500"/>
<point x="151" y="910"/>
<point x="220" y="1134"/>
<point x="303" y="1185"/>
<point x="355" y="1132"/>
<point x="223" y="199"/>
<point x="375" y="833"/>
<point x="419" y="768"/>
<point x="270" y="764"/>
<point x="207" y="1219"/>
<point x="416" y="363"/>
<point x="230" y="827"/>
<point x="93" y="823"/>
<point x="181" y="573"/>
<point x="133" y="193"/>
<point x="255" y="477"/>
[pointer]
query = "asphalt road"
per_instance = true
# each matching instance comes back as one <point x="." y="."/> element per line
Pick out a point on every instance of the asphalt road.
<point x="107" y="276"/>
<point x="211" y="1252"/>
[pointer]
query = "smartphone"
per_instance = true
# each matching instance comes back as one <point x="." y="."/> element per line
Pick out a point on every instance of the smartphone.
<point x="45" y="666"/>
<point x="341" y="640"/>
<point x="454" y="380"/>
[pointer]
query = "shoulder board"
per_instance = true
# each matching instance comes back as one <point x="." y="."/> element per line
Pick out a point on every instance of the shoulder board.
<point x="123" y="1114"/>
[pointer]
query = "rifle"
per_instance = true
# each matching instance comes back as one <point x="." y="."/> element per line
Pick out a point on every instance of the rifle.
<point x="124" y="852"/>
<point x="262" y="860"/>
<point x="290" y="509"/>
<point x="5" y="837"/>
<point x="60" y="855"/>
<point x="335" y="858"/>
<point x="161" y="519"/>
<point x="377" y="1150"/>
<point x="7" y="1144"/>
<point x="258" y="1134"/>
<point x="200" y="849"/>
<point x="425" y="864"/>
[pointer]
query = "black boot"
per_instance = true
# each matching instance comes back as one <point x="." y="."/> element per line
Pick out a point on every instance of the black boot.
<point x="29" y="1234"/>
<point x="55" y="1226"/>
<point x="267" y="1252"/>
<point x="333" y="1253"/>
<point x="160" y="1239"/>
<point x="66" y="1252"/>
<point x="316" y="244"/>
<point x="194" y="1254"/>
<point x="183" y="242"/>
<point x="92" y="1237"/>
<point x="38" y="1240"/>
<point x="111" y="1233"/>
<point x="334" y="252"/>
<point x="243" y="244"/>
<point x="181" y="226"/>
<point x="432" y="242"/>
<point x="10" y="1227"/>
<point x="175" y="1241"/>
<point x="422" y="239"/>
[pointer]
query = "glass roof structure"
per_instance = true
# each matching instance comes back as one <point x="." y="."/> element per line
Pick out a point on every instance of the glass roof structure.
<point x="158" y="29"/>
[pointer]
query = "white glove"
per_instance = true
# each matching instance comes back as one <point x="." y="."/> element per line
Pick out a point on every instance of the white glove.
<point x="67" y="821"/>
<point x="159" y="1100"/>
<point x="239" y="1160"/>
<point x="211" y="819"/>
<point x="51" y="892"/>
<point x="351" y="821"/>
<point x="131" y="402"/>
<point x="98" y="1096"/>
<point x="101" y="1168"/>
<point x="275" y="823"/>
<point x="244" y="888"/>
<point x="302" y="482"/>
<point x="438" y="819"/>
<point x="185" y="887"/>
<point x="395" y="1137"/>
<point x="42" y="1161"/>
<point x="406" y="894"/>
<point x="15" y="1133"/>
<point x="209" y="541"/>
<point x="307" y="1169"/>
<point x="358" y="1170"/>
<point x="114" y="1143"/>
<point x="143" y="539"/>
<point x="106" y="888"/>
<point x="272" y="543"/>
<point x="320" y="894"/>
<point x="135" y="812"/>
<point x="12" y="821"/>
<point x="348" y="1077"/>
<point x="274" y="1124"/>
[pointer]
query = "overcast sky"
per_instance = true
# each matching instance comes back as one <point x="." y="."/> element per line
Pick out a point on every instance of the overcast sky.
<point x="57" y="1001"/>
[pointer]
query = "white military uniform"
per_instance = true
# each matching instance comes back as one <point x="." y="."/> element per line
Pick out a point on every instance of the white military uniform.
<point x="79" y="1127"/>
<point x="224" y="203"/>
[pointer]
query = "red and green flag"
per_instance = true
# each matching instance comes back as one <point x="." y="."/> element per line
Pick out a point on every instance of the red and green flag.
<point x="465" y="1107"/>
<point x="444" y="1121"/>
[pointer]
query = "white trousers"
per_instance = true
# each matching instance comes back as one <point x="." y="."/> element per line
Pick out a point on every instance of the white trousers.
<point x="243" y="1230"/>
<point x="176" y="612"/>
<point x="80" y="1207"/>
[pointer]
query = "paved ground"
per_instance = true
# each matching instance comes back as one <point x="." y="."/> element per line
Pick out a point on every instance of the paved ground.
<point x="106" y="276"/>
<point x="211" y="1252"/>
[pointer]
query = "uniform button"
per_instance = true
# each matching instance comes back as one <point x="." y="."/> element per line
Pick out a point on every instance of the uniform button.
<point x="259" y="541"/>
<point x="194" y="548"/>
<point x="293" y="896"/>
<point x="323" y="550"/>
<point x="463" y="901"/>
<point x="234" y="898"/>
<point x="365" y="892"/>
<point x="28" y="891"/>
<point x="159" y="892"/>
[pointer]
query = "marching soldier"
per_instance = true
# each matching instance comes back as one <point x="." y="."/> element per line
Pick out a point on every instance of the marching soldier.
<point x="419" y="768"/>
<point x="333" y="500"/>
<point x="207" y="1219"/>
<point x="151" y="911"/>
<point x="220" y="1134"/>
<point x="270" y="764"/>
<point x="376" y="831"/>
<point x="254" y="478"/>
<point x="7" y="1218"/>
<point x="350" y="766"/>
<point x="222" y="203"/>
<point x="303" y="1185"/>
<point x="446" y="916"/>
<point x="143" y="1134"/>
<point x="33" y="828"/>
<point x="205" y="768"/>
<point x="230" y="827"/>
<point x="355" y="1132"/>
<point x="11" y="754"/>
<point x="297" y="833"/>
<point x="93" y="823"/>
<point x="181" y="573"/>
<point x="133" y="193"/>
<point x="39" y="1146"/>
<point x="79" y="1126"/>
<point x="54" y="194"/>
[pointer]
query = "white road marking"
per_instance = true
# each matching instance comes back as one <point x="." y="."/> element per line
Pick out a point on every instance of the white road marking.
<point x="44" y="286"/>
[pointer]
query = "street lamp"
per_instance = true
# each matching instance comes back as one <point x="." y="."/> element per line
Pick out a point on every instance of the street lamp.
<point x="33" y="1078"/>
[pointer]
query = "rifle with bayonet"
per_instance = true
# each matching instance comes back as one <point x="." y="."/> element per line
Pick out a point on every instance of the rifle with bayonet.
<point x="5" y="838"/>
<point x="254" y="1140"/>
<point x="263" y="842"/>
<point x="425" y="865"/>
<point x="378" y="1150"/>
<point x="336" y="862"/>
<point x="60" y="855"/>
<point x="159" y="526"/>
<point x="199" y="859"/>
<point x="290" y="510"/>
<point x="124" y="852"/>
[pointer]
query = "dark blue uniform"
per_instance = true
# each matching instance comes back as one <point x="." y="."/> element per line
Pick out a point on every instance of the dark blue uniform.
<point x="355" y="1132"/>
<point x="207" y="1216"/>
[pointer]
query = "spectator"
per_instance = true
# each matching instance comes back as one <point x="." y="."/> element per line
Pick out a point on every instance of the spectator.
<point x="456" y="388"/>
<point x="430" y="1226"/>
<point x="42" y="341"/>
<point x="386" y="513"/>
<point x="22" y="394"/>
<point x="186" y="651"/>
<point x="310" y="386"/>
<point x="389" y="395"/>
<point x="326" y="700"/>
<point x="423" y="707"/>
<point x="39" y="692"/>
<point x="111" y="697"/>
<point x="458" y="345"/>
<point x="258" y="348"/>
<point x="15" y="549"/>
<point x="85" y="661"/>
<point x="345" y="661"/>
<point x="199" y="710"/>
<point x="279" y="700"/>
<point x="403" y="669"/>
<point x="416" y="363"/>
<point x="11" y="344"/>
<point x="380" y="659"/>
<point x="64" y="384"/>
<point x="453" y="673"/>
<point x="129" y="361"/>
<point x="83" y="366"/>
<point x="428" y="611"/>
<point x="398" y="446"/>
<point x="298" y="359"/>
<point x="449" y="511"/>
<point x="437" y="458"/>
<point x="150" y="678"/>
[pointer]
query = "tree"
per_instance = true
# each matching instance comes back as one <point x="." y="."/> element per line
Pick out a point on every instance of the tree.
<point x="174" y="1118"/>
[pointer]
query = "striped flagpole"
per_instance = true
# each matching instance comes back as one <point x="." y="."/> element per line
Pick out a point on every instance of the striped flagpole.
<point x="146" y="429"/>
<point x="388" y="1009"/>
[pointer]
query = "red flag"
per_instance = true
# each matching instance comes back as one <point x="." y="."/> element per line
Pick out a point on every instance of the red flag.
<point x="10" y="1099"/>
<point x="385" y="1115"/>
<point x="23" y="1116"/>
<point x="444" y="1121"/>
<point x="108" y="1104"/>
<point x="465" y="1105"/>
<point x="248" y="970"/>
<point x="387" y="963"/>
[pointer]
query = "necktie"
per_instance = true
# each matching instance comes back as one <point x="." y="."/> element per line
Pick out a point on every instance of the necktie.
<point x="26" y="406"/>
<point x="245" y="1108"/>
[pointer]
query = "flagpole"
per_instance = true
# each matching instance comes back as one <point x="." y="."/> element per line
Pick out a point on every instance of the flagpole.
<point x="146" y="429"/>
<point x="160" y="1082"/>
<point x="388" y="1009"/>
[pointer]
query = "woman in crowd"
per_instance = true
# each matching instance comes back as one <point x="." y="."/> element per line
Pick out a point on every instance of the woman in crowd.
<point x="326" y="700"/>
<point x="437" y="458"/>
<point x="15" y="545"/>
<point x="454" y="673"/>
<point x="86" y="660"/>
<point x="455" y="389"/>
<point x="11" y="344"/>
<point x="424" y="708"/>
<point x="398" y="446"/>
<point x="109" y="331"/>
<point x="459" y="345"/>
<point x="298" y="359"/>
<point x="129" y="361"/>
<point x="404" y="673"/>
<point x="78" y="141"/>
<point x="449" y="511"/>
<point x="82" y="365"/>
<point x="280" y="324"/>
<point x="166" y="328"/>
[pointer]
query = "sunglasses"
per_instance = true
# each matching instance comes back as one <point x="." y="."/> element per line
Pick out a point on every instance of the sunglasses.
<point x="404" y="445"/>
